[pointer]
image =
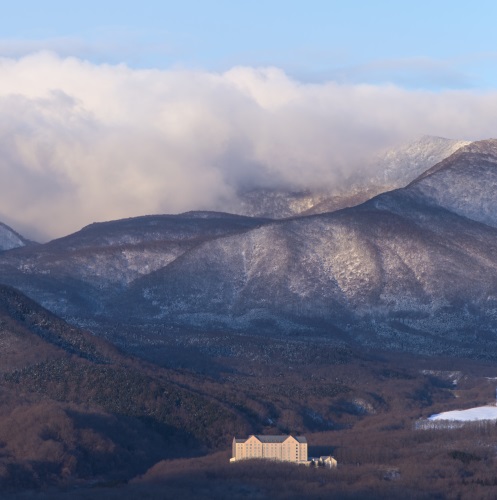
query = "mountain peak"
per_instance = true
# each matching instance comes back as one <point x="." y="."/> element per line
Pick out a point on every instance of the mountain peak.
<point x="463" y="183"/>
<point x="9" y="238"/>
<point x="487" y="146"/>
<point x="399" y="166"/>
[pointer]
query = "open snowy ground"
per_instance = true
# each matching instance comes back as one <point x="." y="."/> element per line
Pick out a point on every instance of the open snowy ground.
<point x="472" y="414"/>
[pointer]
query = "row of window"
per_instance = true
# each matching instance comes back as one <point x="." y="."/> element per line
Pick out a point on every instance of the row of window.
<point x="268" y="449"/>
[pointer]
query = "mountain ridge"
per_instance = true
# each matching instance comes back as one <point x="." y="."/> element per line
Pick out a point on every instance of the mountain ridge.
<point x="10" y="239"/>
<point x="413" y="268"/>
<point x="464" y="182"/>
<point x="393" y="257"/>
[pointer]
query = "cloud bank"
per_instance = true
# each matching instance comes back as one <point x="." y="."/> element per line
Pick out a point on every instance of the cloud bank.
<point x="81" y="142"/>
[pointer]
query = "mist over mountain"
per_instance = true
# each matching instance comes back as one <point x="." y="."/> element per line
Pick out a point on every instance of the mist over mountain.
<point x="392" y="272"/>
<point x="84" y="142"/>
<point x="391" y="169"/>
<point x="411" y="269"/>
<point x="221" y="220"/>
<point x="135" y="346"/>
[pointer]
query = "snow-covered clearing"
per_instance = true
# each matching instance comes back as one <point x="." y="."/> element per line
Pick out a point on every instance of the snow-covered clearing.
<point x="472" y="414"/>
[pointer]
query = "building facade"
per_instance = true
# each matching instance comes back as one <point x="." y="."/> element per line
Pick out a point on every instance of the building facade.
<point x="284" y="448"/>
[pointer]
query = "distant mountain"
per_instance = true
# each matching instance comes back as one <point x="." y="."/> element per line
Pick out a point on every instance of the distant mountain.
<point x="402" y="270"/>
<point x="411" y="269"/>
<point x="10" y="239"/>
<point x="81" y="271"/>
<point x="389" y="170"/>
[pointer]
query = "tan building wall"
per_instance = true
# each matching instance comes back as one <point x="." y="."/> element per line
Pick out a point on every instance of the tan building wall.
<point x="285" y="448"/>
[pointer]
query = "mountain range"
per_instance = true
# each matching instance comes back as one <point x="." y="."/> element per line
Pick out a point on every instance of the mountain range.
<point x="412" y="268"/>
<point x="133" y="350"/>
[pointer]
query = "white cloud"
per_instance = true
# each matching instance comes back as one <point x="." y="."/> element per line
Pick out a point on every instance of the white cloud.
<point x="81" y="142"/>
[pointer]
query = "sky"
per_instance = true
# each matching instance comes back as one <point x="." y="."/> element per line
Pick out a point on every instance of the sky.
<point x="112" y="109"/>
<point x="421" y="44"/>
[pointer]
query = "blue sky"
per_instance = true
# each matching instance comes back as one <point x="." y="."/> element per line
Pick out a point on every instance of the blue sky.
<point x="415" y="44"/>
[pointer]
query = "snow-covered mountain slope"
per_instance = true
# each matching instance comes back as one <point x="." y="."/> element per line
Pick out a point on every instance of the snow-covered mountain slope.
<point x="399" y="166"/>
<point x="81" y="270"/>
<point x="398" y="270"/>
<point x="406" y="270"/>
<point x="389" y="170"/>
<point x="371" y="273"/>
<point x="9" y="238"/>
<point x="465" y="183"/>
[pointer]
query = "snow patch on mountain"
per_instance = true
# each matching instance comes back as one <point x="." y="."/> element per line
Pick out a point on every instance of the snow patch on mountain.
<point x="9" y="238"/>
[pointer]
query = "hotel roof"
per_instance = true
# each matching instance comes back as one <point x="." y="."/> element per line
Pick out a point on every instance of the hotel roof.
<point x="273" y="439"/>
